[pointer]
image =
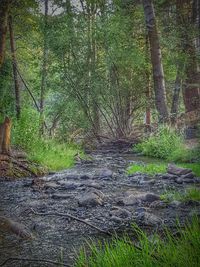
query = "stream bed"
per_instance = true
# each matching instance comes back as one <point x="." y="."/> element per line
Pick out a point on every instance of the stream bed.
<point x="98" y="191"/>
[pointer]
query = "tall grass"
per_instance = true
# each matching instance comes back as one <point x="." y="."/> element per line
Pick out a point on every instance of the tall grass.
<point x="47" y="152"/>
<point x="192" y="193"/>
<point x="155" y="252"/>
<point x="167" y="144"/>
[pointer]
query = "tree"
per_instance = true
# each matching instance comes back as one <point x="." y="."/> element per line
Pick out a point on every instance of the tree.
<point x="156" y="60"/>
<point x="5" y="4"/>
<point x="14" y="65"/>
<point x="44" y="70"/>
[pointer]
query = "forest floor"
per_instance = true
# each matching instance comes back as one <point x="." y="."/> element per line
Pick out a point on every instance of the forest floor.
<point x="59" y="209"/>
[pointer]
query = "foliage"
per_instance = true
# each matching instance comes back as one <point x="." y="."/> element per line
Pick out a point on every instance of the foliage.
<point x="166" y="143"/>
<point x="154" y="168"/>
<point x="169" y="251"/>
<point x="189" y="194"/>
<point x="47" y="152"/>
<point x="151" y="169"/>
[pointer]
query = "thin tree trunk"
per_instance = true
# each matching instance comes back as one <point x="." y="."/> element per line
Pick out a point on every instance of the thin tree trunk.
<point x="156" y="60"/>
<point x="44" y="71"/>
<point x="14" y="64"/>
<point x="176" y="93"/>
<point x="4" y="8"/>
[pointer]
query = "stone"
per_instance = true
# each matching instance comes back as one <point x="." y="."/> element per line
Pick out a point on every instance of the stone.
<point x="150" y="197"/>
<point x="148" y="219"/>
<point x="69" y="185"/>
<point x="116" y="219"/>
<point x="169" y="176"/>
<point x="179" y="180"/>
<point x="52" y="185"/>
<point x="175" y="204"/>
<point x="91" y="199"/>
<point x="60" y="196"/>
<point x="104" y="174"/>
<point x="173" y="169"/>
<point x="188" y="181"/>
<point x="158" y="205"/>
<point x="119" y="212"/>
<point x="94" y="185"/>
<point x="85" y="177"/>
<point x="130" y="200"/>
<point x="189" y="175"/>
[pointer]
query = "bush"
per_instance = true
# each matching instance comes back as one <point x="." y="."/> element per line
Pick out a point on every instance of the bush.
<point x="166" y="143"/>
<point x="48" y="152"/>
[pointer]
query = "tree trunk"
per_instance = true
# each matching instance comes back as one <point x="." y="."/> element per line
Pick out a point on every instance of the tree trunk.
<point x="3" y="27"/>
<point x="176" y="93"/>
<point x="189" y="12"/>
<point x="14" y="64"/>
<point x="44" y="71"/>
<point x="156" y="60"/>
<point x="5" y="129"/>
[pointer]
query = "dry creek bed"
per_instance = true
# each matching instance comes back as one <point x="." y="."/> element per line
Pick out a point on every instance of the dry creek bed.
<point x="97" y="191"/>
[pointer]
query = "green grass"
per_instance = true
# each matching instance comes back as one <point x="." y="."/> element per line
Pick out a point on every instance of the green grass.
<point x="154" y="168"/>
<point x="189" y="194"/>
<point x="54" y="156"/>
<point x="155" y="252"/>
<point x="46" y="152"/>
<point x="166" y="143"/>
<point x="150" y="169"/>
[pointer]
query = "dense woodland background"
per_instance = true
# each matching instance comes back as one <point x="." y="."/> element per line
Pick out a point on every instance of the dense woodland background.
<point x="74" y="70"/>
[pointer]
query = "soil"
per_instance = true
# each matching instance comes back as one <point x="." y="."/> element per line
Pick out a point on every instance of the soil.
<point x="98" y="191"/>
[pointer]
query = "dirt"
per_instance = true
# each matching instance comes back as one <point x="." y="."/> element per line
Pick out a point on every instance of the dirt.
<point x="98" y="191"/>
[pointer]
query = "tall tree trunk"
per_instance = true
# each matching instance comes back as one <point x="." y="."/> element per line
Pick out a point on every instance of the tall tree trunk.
<point x="44" y="71"/>
<point x="156" y="60"/>
<point x="189" y="12"/>
<point x="14" y="64"/>
<point x="4" y="8"/>
<point x="176" y="93"/>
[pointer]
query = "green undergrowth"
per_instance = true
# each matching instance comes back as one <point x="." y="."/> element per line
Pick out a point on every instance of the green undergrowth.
<point x="154" y="168"/>
<point x="192" y="193"/>
<point x="168" y="144"/>
<point x="155" y="252"/>
<point x="44" y="151"/>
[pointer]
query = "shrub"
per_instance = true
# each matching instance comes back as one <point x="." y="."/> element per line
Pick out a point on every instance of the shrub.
<point x="166" y="143"/>
<point x="48" y="152"/>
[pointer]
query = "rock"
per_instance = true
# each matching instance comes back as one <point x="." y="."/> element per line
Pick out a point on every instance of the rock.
<point x="91" y="199"/>
<point x="179" y="180"/>
<point x="116" y="219"/>
<point x="104" y="174"/>
<point x="130" y="200"/>
<point x="69" y="185"/>
<point x="188" y="181"/>
<point x="60" y="196"/>
<point x="148" y="219"/>
<point x="189" y="175"/>
<point x="169" y="176"/>
<point x="52" y="185"/>
<point x="173" y="169"/>
<point x="150" y="197"/>
<point x="119" y="212"/>
<point x="158" y="205"/>
<point x="175" y="204"/>
<point x="85" y="177"/>
<point x="94" y="185"/>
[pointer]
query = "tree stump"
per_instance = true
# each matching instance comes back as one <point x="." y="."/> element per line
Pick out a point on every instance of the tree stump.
<point x="5" y="132"/>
